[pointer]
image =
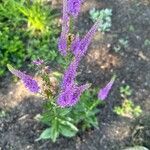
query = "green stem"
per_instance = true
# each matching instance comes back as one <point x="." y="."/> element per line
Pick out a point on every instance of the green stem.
<point x="71" y="25"/>
<point x="95" y="104"/>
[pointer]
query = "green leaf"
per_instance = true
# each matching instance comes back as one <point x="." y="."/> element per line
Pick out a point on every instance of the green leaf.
<point x="67" y="132"/>
<point x="46" y="134"/>
<point x="69" y="124"/>
<point x="49" y="133"/>
<point x="54" y="133"/>
<point x="65" y="111"/>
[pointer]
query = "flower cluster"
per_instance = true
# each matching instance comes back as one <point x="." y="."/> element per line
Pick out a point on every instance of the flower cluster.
<point x="70" y="92"/>
<point x="79" y="47"/>
<point x="70" y="74"/>
<point x="28" y="81"/>
<point x="73" y="7"/>
<point x="70" y="96"/>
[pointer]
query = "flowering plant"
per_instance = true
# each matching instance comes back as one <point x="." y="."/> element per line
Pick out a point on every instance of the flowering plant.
<point x="68" y="103"/>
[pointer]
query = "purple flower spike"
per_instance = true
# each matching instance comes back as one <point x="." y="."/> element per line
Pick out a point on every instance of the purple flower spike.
<point x="65" y="97"/>
<point x="62" y="45"/>
<point x="74" y="7"/>
<point x="71" y="95"/>
<point x="65" y="19"/>
<point x="70" y="74"/>
<point x="75" y="45"/>
<point x="103" y="93"/>
<point x="28" y="81"/>
<point x="77" y="93"/>
<point x="62" y="41"/>
<point x="85" y="42"/>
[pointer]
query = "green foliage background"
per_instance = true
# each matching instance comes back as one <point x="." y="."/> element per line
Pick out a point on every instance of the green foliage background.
<point x="27" y="31"/>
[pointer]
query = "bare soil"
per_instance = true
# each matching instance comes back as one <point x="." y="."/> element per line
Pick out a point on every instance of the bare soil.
<point x="19" y="129"/>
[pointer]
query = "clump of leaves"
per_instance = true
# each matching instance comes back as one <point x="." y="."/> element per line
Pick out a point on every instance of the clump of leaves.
<point x="125" y="91"/>
<point x="147" y="43"/>
<point x="37" y="15"/>
<point x="122" y="43"/>
<point x="128" y="108"/>
<point x="2" y="113"/>
<point x="104" y="15"/>
<point x="140" y="131"/>
<point x="12" y="48"/>
<point x="27" y="30"/>
<point x="64" y="121"/>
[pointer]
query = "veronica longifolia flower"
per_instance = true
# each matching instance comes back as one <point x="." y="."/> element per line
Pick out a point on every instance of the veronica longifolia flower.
<point x="77" y="93"/>
<point x="85" y="42"/>
<point x="70" y="74"/>
<point x="62" y="41"/>
<point x="103" y="93"/>
<point x="71" y="95"/>
<point x="62" y="45"/>
<point x="28" y="81"/>
<point x="74" y="7"/>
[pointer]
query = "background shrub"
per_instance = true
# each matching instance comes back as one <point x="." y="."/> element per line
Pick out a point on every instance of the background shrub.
<point x="27" y="31"/>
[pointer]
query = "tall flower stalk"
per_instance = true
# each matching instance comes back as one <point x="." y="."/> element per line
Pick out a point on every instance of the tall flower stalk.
<point x="65" y="109"/>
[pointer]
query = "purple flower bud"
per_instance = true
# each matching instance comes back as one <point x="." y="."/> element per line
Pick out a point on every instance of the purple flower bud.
<point x="28" y="81"/>
<point x="74" y="7"/>
<point x="103" y="93"/>
<point x="38" y="62"/>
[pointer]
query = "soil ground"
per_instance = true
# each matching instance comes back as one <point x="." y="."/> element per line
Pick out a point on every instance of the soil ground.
<point x="19" y="129"/>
